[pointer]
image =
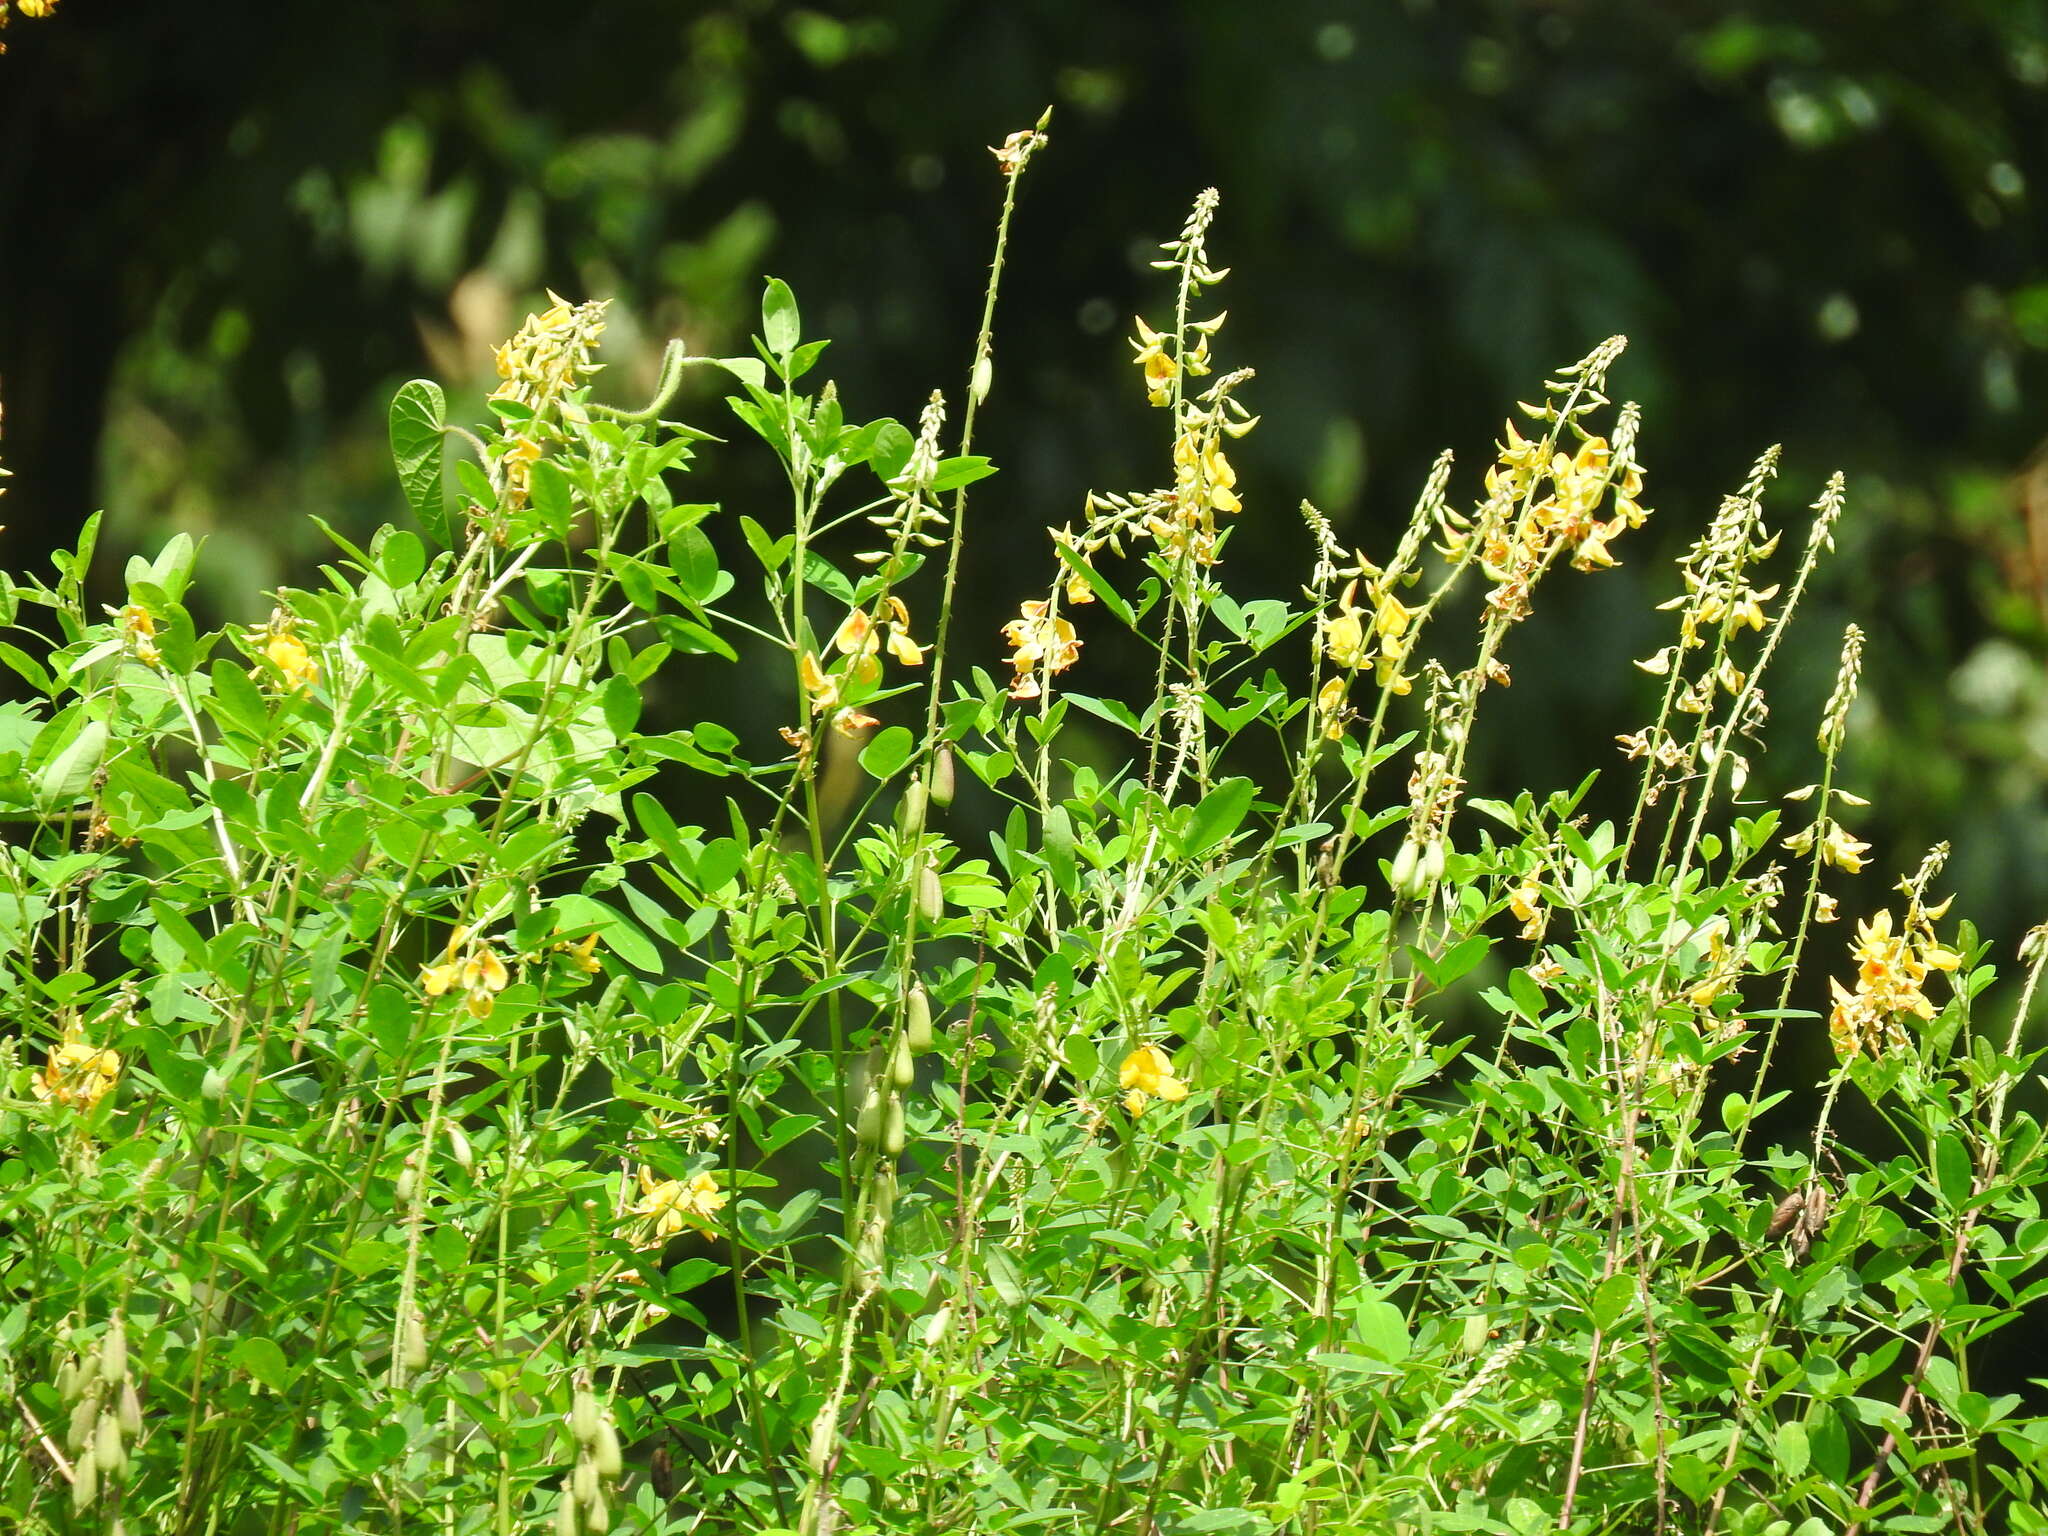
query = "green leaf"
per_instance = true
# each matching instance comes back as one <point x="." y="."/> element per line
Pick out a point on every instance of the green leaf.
<point x="1792" y="1450"/>
<point x="695" y="563"/>
<point x="419" y="418"/>
<point x="68" y="774"/>
<point x="781" y="327"/>
<point x="403" y="556"/>
<point x="1096" y="583"/>
<point x="1952" y="1170"/>
<point x="1217" y="815"/>
<point x="621" y="705"/>
<point x="888" y="752"/>
<point x="1383" y="1330"/>
<point x="262" y="1357"/>
<point x="1611" y="1301"/>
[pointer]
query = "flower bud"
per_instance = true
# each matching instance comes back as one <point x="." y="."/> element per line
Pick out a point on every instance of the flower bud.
<point x="917" y="1019"/>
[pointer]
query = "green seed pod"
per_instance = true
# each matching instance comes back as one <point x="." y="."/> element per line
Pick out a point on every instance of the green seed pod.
<point x="942" y="777"/>
<point x="67" y="1381"/>
<point x="1432" y="863"/>
<point x="611" y="1461"/>
<point x="584" y="1417"/>
<point x="459" y="1149"/>
<point x="415" y="1343"/>
<point x="85" y="1414"/>
<point x="868" y="1127"/>
<point x="931" y="895"/>
<point x="107" y="1449"/>
<point x="892" y="1128"/>
<point x="131" y="1410"/>
<point x="407" y="1187"/>
<point x="214" y="1086"/>
<point x="917" y="1019"/>
<point x="984" y="375"/>
<point x="85" y="1483"/>
<point x="565" y="1515"/>
<point x="902" y="1068"/>
<point x="114" y="1351"/>
<point x="910" y="813"/>
<point x="584" y="1480"/>
<point x="596" y="1516"/>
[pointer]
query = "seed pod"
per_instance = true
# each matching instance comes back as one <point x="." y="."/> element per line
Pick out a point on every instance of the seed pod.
<point x="67" y="1380"/>
<point x="984" y="375"/>
<point x="1432" y="863"/>
<point x="114" y="1351"/>
<point x="460" y="1149"/>
<point x="892" y="1128"/>
<point x="406" y="1187"/>
<point x="1476" y="1330"/>
<point x="1404" y="874"/>
<point x="935" y="1326"/>
<point x="584" y="1480"/>
<point x="131" y="1410"/>
<point x="902" y="1069"/>
<point x="85" y="1483"/>
<point x="214" y="1086"/>
<point x="942" y="777"/>
<point x="605" y="1452"/>
<point x="584" y="1417"/>
<point x="868" y="1127"/>
<point x="415" y="1343"/>
<point x="107" y="1449"/>
<point x="565" y="1515"/>
<point x="596" y="1516"/>
<point x="910" y="813"/>
<point x="84" y="1416"/>
<point x="917" y="1019"/>
<point x="931" y="895"/>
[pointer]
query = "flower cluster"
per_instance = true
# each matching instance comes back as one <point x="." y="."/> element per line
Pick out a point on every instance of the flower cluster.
<point x="667" y="1206"/>
<point x="540" y="366"/>
<point x="1891" y="969"/>
<point x="138" y="630"/>
<point x="77" y="1074"/>
<point x="1351" y="639"/>
<point x="472" y="966"/>
<point x="859" y="640"/>
<point x="1041" y="643"/>
<point x="35" y="10"/>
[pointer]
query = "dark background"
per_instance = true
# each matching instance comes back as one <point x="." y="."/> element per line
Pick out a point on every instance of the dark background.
<point x="229" y="230"/>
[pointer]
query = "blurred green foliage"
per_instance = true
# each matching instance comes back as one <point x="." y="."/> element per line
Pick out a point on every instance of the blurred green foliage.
<point x="226" y="231"/>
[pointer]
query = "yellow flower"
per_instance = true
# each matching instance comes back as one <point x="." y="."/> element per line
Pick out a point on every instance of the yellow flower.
<point x="1527" y="905"/>
<point x="1147" y="1073"/>
<point x="1039" y="643"/>
<point x="1330" y="705"/>
<point x="479" y="973"/>
<point x="669" y="1205"/>
<point x="77" y="1074"/>
<point x="1841" y="850"/>
<point x="582" y="955"/>
<point x="1890" y="971"/>
<point x="138" y="626"/>
<point x="1344" y="635"/>
<point x="1159" y="369"/>
<point x="290" y="657"/>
